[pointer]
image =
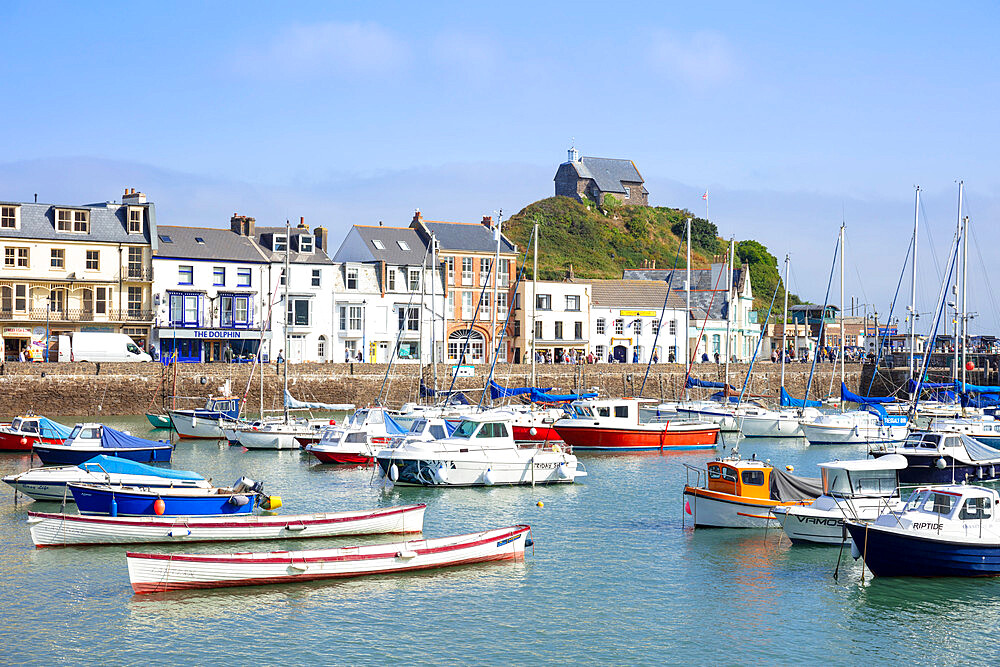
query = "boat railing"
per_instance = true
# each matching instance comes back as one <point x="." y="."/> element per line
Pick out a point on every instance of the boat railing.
<point x="687" y="474"/>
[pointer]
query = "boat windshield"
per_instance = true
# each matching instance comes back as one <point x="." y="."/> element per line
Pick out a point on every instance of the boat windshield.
<point x="836" y="482"/>
<point x="356" y="437"/>
<point x="874" y="482"/>
<point x="465" y="429"/>
<point x="418" y="425"/>
<point x="932" y="502"/>
<point x="582" y="411"/>
<point x="75" y="432"/>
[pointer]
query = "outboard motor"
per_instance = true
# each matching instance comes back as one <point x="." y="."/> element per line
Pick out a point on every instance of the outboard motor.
<point x="247" y="485"/>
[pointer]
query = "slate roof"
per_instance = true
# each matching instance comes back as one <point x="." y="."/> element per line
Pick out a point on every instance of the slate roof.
<point x="390" y="238"/>
<point x="704" y="284"/>
<point x="471" y="236"/>
<point x="647" y="294"/>
<point x="107" y="223"/>
<point x="608" y="173"/>
<point x="219" y="244"/>
<point x="264" y="236"/>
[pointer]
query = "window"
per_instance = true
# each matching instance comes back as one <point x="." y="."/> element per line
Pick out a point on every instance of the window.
<point x="73" y="221"/>
<point x="543" y="302"/>
<point x="298" y="312"/>
<point x="185" y="275"/>
<point x="637" y="327"/>
<point x="403" y="245"/>
<point x="317" y="277"/>
<point x="450" y="307"/>
<point x="466" y="270"/>
<point x="391" y="276"/>
<point x="673" y="327"/>
<point x="517" y="328"/>
<point x="619" y="327"/>
<point x="573" y="302"/>
<point x="450" y="263"/>
<point x="57" y="300"/>
<point x="219" y="275"/>
<point x="9" y="255"/>
<point x="184" y="309"/>
<point x="101" y="304"/>
<point x="280" y="243"/>
<point x="243" y="277"/>
<point x="8" y="217"/>
<point x="282" y="278"/>
<point x="621" y="411"/>
<point x="753" y="477"/>
<point x="350" y="318"/>
<point x="409" y="318"/>
<point x="134" y="301"/>
<point x="234" y="310"/>
<point x="600" y="326"/>
<point x="93" y="260"/>
<point x="321" y="348"/>
<point x="352" y="279"/>
<point x="501" y="304"/>
<point x="305" y="243"/>
<point x="716" y="343"/>
<point x="578" y="331"/>
<point x="135" y="221"/>
<point x="559" y="330"/>
<point x="484" y="307"/>
<point x="378" y="244"/>
<point x="503" y="276"/>
<point x="88" y="302"/>
<point x="484" y="269"/>
<point x="538" y="329"/>
<point x="975" y="509"/>
<point x="165" y="239"/>
<point x="199" y="240"/>
<point x="628" y="192"/>
<point x="20" y="298"/>
<point x="654" y="327"/>
<point x="599" y="351"/>
<point x="467" y="310"/>
<point x="135" y="262"/>
<point x="414" y="280"/>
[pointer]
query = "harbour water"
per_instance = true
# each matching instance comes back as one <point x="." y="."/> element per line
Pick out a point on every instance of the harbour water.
<point x="614" y="578"/>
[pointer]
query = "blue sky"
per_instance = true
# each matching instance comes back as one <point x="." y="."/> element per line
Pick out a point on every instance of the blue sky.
<point x="794" y="116"/>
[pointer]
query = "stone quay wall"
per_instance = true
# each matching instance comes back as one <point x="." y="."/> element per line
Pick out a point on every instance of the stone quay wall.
<point x="86" y="389"/>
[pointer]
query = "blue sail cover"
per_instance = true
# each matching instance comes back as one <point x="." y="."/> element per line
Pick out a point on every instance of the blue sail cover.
<point x="295" y="404"/>
<point x="936" y="391"/>
<point x="851" y="397"/>
<point x="707" y="384"/>
<point x="393" y="427"/>
<point x="787" y="401"/>
<point x="538" y="396"/>
<point x="50" y="429"/>
<point x="120" y="466"/>
<point x="496" y="391"/>
<point x="966" y="388"/>
<point x="911" y="385"/>
<point x="112" y="439"/>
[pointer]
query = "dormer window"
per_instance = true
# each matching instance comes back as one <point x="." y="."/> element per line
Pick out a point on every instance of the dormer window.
<point x="378" y="244"/>
<point x="305" y="243"/>
<point x="199" y="240"/>
<point x="73" y="221"/>
<point x="403" y="245"/>
<point x="134" y="220"/>
<point x="280" y="243"/>
<point x="10" y="217"/>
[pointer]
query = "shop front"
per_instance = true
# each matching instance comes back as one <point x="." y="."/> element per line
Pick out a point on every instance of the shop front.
<point x="210" y="345"/>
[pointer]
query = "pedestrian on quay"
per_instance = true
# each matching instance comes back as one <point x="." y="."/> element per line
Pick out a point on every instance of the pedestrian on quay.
<point x="611" y="359"/>
<point x="704" y="357"/>
<point x="656" y="357"/>
<point x="718" y="357"/>
<point x="280" y="360"/>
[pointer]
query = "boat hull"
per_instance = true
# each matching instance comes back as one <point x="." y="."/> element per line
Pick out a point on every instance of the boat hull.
<point x="69" y="455"/>
<point x="190" y="425"/>
<point x="894" y="553"/>
<point x="591" y="438"/>
<point x="808" y="528"/>
<point x="544" y="433"/>
<point x="159" y="421"/>
<point x="53" y="487"/>
<point x="770" y="427"/>
<point x="266" y="440"/>
<point x="153" y="573"/>
<point x="924" y="470"/>
<point x="437" y="472"/>
<point x="725" y="420"/>
<point x="20" y="442"/>
<point x="711" y="509"/>
<point x="49" y="530"/>
<point x="91" y="500"/>
<point x="822" y="434"/>
<point x="337" y="456"/>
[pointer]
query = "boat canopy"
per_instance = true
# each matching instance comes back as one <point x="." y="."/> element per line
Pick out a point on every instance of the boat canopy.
<point x="120" y="466"/>
<point x="112" y="439"/>
<point x="977" y="396"/>
<point x="849" y="396"/>
<point x="393" y="427"/>
<point x="295" y="404"/>
<point x="787" y="401"/>
<point x="787" y="487"/>
<point x="887" y="462"/>
<point x="707" y="384"/>
<point x="978" y="451"/>
<point x="496" y="391"/>
<point x="50" y="429"/>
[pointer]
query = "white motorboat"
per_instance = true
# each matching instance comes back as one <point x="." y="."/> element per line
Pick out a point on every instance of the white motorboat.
<point x="49" y="483"/>
<point x="857" y="427"/>
<point x="984" y="428"/>
<point x="481" y="452"/>
<point x="278" y="435"/>
<point x="206" y="422"/>
<point x="860" y="490"/>
<point x="784" y="423"/>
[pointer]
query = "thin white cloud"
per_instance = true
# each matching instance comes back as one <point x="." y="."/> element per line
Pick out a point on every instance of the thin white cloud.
<point x="473" y="55"/>
<point x="328" y="49"/>
<point x="701" y="58"/>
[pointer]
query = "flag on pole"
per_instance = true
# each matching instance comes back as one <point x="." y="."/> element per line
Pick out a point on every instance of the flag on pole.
<point x="705" y="196"/>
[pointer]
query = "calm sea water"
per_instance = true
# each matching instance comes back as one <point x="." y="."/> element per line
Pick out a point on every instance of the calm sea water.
<point x="615" y="578"/>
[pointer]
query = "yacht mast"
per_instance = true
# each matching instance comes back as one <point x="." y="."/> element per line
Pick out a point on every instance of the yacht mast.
<point x="288" y="281"/>
<point x="496" y="280"/>
<point x="913" y="287"/>
<point x="433" y="277"/>
<point x="842" y="254"/>
<point x="729" y="307"/>
<point x="965" y="292"/>
<point x="534" y="303"/>
<point x="687" y="316"/>
<point x="784" y="329"/>
<point x="961" y="191"/>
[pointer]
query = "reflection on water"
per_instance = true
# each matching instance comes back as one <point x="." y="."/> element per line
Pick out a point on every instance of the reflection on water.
<point x="613" y="578"/>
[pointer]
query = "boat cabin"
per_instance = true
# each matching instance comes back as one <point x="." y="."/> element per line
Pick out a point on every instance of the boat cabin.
<point x="620" y="408"/>
<point x="228" y="405"/>
<point x="88" y="432"/>
<point x="26" y="425"/>
<point x="935" y="506"/>
<point x="432" y="428"/>
<point x="929" y="441"/>
<point x="748" y="479"/>
<point x="862" y="478"/>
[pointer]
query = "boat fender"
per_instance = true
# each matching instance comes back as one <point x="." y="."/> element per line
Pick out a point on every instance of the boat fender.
<point x="993" y="471"/>
<point x="24" y="440"/>
<point x="979" y="472"/>
<point x="238" y="500"/>
<point x="529" y="542"/>
<point x="855" y="552"/>
<point x="531" y="431"/>
<point x="442" y="474"/>
<point x="488" y="478"/>
<point x="178" y="533"/>
<point x="564" y="471"/>
<point x="941" y="463"/>
<point x="114" y="507"/>
<point x="393" y="472"/>
<point x="557" y="449"/>
<point x="159" y="507"/>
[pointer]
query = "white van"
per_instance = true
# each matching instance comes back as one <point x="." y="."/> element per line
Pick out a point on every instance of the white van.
<point x="99" y="346"/>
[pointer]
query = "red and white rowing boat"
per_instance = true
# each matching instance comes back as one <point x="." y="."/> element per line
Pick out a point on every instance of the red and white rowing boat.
<point x="155" y="573"/>
<point x="614" y="425"/>
<point x="51" y="530"/>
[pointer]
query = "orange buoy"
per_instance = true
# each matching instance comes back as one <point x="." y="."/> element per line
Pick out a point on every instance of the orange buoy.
<point x="24" y="440"/>
<point x="159" y="506"/>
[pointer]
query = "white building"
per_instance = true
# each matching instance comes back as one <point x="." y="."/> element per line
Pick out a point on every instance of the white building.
<point x="555" y="320"/>
<point x="209" y="294"/>
<point x="629" y="323"/>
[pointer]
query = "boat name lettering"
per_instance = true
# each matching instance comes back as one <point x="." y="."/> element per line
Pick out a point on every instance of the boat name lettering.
<point x="820" y="521"/>
<point x="216" y="334"/>
<point x="927" y="526"/>
<point x="507" y="540"/>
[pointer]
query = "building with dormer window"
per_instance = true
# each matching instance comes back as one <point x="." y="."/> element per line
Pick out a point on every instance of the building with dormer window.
<point x="595" y="178"/>
<point x="70" y="268"/>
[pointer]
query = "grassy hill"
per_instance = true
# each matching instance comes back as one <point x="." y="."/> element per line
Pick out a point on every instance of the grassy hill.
<point x="599" y="242"/>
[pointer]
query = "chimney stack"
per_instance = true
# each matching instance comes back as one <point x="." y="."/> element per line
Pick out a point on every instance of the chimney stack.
<point x="320" y="234"/>
<point x="242" y="224"/>
<point x="488" y="221"/>
<point x="417" y="217"/>
<point x="302" y="223"/>
<point x="133" y="197"/>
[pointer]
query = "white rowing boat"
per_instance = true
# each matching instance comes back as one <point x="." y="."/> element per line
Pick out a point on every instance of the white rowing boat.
<point x="49" y="530"/>
<point x="154" y="573"/>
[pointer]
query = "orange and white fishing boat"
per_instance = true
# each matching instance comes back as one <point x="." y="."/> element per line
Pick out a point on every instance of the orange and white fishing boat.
<point x="741" y="493"/>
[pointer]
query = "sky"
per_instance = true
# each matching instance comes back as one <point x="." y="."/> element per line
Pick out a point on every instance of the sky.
<point x="794" y="117"/>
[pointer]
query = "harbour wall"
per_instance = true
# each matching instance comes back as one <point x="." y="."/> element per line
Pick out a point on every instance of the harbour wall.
<point x="86" y="389"/>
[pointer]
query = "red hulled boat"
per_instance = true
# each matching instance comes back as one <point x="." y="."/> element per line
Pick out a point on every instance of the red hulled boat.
<point x="613" y="425"/>
<point x="23" y="432"/>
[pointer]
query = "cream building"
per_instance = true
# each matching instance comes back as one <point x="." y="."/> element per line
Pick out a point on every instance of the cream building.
<point x="75" y="268"/>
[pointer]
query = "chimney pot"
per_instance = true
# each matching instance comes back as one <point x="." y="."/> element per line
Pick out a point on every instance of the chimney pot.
<point x="488" y="221"/>
<point x="417" y="217"/>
